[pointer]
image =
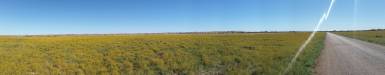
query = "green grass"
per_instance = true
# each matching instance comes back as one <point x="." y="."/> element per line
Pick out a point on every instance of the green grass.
<point x="182" y="54"/>
<point x="370" y="36"/>
<point x="307" y="61"/>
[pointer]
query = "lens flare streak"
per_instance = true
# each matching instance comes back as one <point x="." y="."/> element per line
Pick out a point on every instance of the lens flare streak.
<point x="303" y="46"/>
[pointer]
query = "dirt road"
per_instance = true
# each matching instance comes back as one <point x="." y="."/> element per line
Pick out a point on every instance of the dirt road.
<point x="346" y="56"/>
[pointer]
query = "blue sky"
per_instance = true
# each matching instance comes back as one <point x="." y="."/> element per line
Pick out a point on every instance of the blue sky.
<point x="147" y="16"/>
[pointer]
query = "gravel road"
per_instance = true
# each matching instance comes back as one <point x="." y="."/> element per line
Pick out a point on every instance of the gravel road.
<point x="347" y="56"/>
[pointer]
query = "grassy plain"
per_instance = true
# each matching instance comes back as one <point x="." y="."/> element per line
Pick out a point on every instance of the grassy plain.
<point x="370" y="36"/>
<point x="182" y="54"/>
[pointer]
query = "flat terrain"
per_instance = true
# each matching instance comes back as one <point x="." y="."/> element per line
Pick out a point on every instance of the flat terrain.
<point x="346" y="56"/>
<point x="157" y="54"/>
<point x="370" y="36"/>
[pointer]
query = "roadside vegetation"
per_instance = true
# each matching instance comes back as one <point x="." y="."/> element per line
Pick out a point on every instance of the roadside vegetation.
<point x="374" y="36"/>
<point x="307" y="60"/>
<point x="158" y="54"/>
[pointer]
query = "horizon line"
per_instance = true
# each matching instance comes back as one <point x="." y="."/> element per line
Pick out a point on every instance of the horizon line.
<point x="182" y="32"/>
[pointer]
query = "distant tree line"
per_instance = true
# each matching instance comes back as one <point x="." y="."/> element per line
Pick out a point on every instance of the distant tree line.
<point x="376" y="30"/>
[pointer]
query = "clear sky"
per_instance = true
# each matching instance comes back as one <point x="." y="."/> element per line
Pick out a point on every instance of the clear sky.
<point x="147" y="16"/>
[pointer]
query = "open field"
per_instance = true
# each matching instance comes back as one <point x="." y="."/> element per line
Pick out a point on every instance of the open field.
<point x="370" y="36"/>
<point x="232" y="54"/>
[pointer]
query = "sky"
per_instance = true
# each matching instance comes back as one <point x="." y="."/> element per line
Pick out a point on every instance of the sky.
<point x="24" y="17"/>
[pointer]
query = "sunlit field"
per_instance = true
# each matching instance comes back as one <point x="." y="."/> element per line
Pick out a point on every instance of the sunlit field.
<point x="370" y="36"/>
<point x="149" y="54"/>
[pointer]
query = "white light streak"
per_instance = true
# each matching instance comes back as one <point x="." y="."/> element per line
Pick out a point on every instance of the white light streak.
<point x="303" y="46"/>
